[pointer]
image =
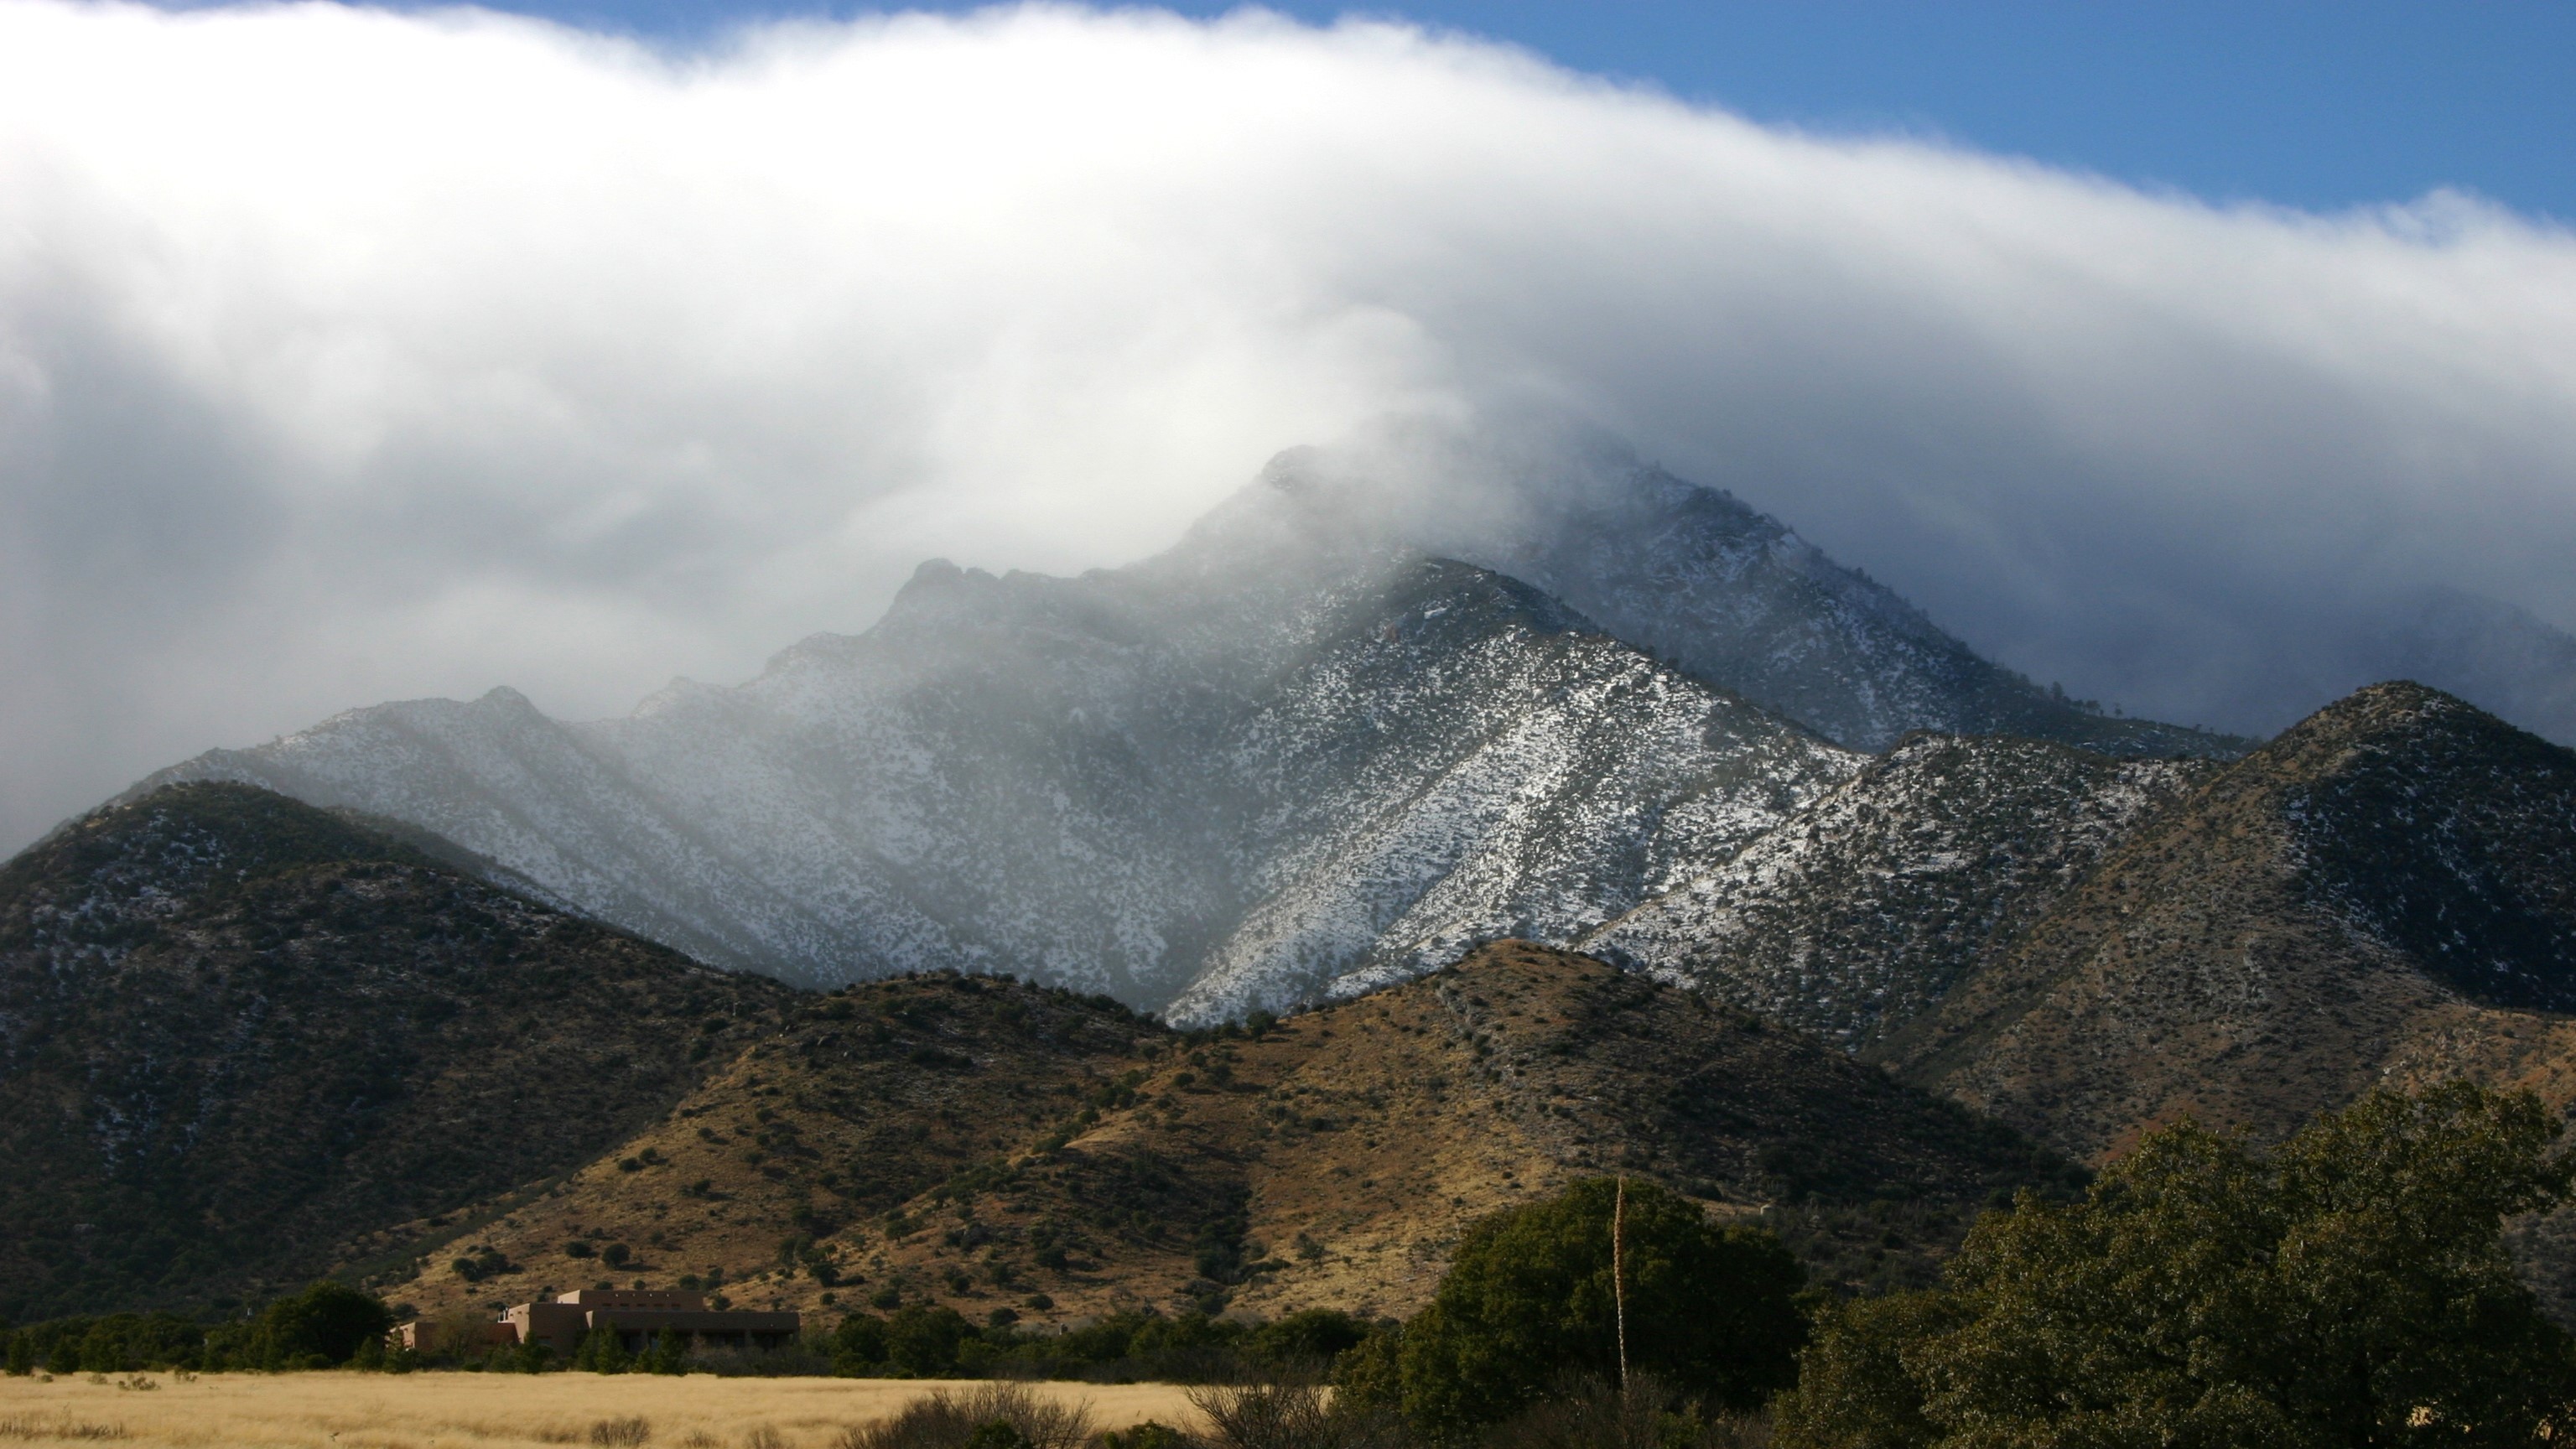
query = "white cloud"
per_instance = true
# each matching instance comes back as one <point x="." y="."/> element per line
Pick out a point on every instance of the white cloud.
<point x="347" y="355"/>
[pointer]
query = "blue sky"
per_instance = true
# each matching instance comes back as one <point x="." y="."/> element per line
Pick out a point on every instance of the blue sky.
<point x="2321" y="106"/>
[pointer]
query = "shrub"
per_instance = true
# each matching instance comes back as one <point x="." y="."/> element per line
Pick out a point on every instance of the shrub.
<point x="859" y="1345"/>
<point x="947" y="1419"/>
<point x="1288" y="1416"/>
<point x="1647" y="1414"/>
<point x="1151" y="1434"/>
<point x="1312" y="1340"/>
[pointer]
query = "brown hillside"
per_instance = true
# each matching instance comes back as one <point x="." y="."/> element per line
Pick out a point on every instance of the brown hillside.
<point x="1329" y="1160"/>
<point x="235" y="1029"/>
<point x="861" y="1101"/>
<point x="2385" y="893"/>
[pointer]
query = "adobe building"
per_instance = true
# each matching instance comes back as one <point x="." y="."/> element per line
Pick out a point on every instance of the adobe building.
<point x="416" y="1335"/>
<point x="639" y="1316"/>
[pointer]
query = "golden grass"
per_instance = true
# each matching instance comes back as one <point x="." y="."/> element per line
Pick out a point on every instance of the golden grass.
<point x="487" y="1411"/>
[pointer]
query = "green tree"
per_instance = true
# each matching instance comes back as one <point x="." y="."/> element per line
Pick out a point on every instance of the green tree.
<point x="921" y="1341"/>
<point x="322" y="1325"/>
<point x="602" y="1350"/>
<point x="1314" y="1338"/>
<point x="668" y="1355"/>
<point x="103" y="1348"/>
<point x="2350" y="1289"/>
<point x="859" y="1346"/>
<point x="1529" y="1303"/>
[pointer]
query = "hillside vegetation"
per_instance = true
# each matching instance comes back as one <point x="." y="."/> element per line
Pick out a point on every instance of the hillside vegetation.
<point x="247" y="1040"/>
<point x="2386" y="893"/>
<point x="236" y="1031"/>
<point x="988" y="1145"/>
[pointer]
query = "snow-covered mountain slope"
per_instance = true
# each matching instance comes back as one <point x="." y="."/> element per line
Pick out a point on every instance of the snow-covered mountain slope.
<point x="1857" y="915"/>
<point x="1696" y="576"/>
<point x="1280" y="753"/>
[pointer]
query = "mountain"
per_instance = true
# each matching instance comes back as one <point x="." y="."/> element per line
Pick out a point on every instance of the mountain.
<point x="984" y="1143"/>
<point x="235" y="1029"/>
<point x="1860" y="912"/>
<point x="1282" y="753"/>
<point x="1696" y="576"/>
<point x="2496" y="656"/>
<point x="860" y="1103"/>
<point x="1306" y="751"/>
<point x="248" y="1040"/>
<point x="2385" y="893"/>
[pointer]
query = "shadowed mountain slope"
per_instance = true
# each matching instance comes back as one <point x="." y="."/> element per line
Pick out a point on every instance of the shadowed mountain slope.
<point x="235" y="1029"/>
<point x="1331" y="1159"/>
<point x="2386" y="892"/>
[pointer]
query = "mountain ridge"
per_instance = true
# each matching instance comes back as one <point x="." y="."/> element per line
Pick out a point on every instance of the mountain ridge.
<point x="1054" y="789"/>
<point x="1117" y="781"/>
<point x="230" y="1024"/>
<point x="2278" y="942"/>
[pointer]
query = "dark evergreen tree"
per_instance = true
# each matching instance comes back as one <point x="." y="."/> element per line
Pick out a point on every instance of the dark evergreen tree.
<point x="859" y="1346"/>
<point x="602" y="1350"/>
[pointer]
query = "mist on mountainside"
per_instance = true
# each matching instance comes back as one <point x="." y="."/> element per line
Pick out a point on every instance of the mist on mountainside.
<point x="1293" y="747"/>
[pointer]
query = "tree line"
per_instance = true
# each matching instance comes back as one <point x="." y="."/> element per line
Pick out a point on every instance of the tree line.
<point x="326" y="1325"/>
<point x="2350" y="1288"/>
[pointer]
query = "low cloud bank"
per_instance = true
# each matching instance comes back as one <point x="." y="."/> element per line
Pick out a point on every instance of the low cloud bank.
<point x="347" y="355"/>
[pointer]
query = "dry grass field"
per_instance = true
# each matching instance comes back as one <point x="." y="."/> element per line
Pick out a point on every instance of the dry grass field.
<point x="489" y="1411"/>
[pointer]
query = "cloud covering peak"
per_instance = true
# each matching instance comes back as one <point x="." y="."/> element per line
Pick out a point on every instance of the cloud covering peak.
<point x="347" y="354"/>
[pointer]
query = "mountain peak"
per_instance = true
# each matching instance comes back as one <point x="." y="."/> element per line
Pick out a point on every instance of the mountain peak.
<point x="1394" y="696"/>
